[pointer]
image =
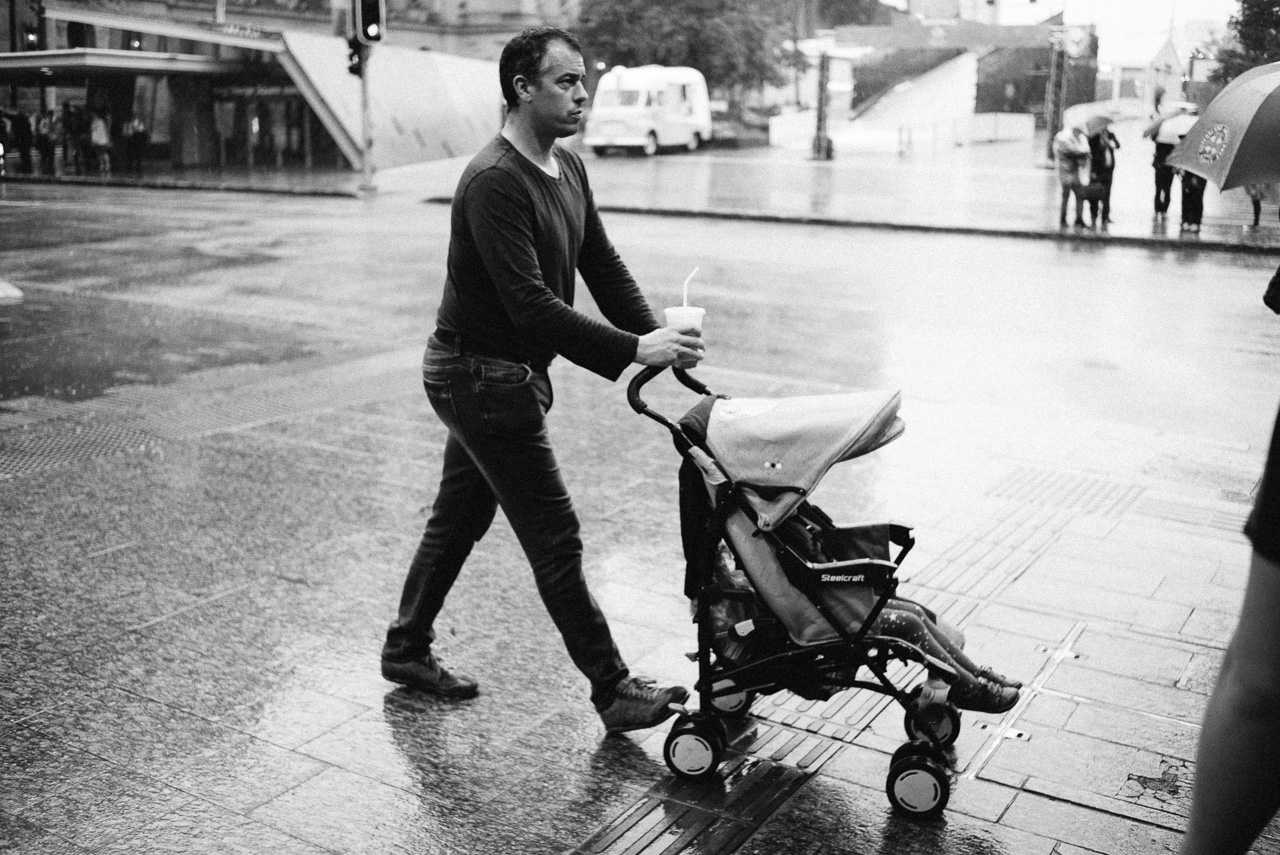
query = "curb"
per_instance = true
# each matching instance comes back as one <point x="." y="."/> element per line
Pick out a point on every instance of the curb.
<point x="175" y="184"/>
<point x="976" y="231"/>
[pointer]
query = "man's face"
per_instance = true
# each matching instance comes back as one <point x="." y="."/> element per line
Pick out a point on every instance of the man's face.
<point x="558" y="95"/>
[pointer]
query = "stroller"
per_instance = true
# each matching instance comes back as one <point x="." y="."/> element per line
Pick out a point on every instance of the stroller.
<point x="783" y="598"/>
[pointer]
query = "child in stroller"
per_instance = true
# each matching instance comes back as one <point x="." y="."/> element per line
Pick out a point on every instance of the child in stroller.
<point x="785" y="599"/>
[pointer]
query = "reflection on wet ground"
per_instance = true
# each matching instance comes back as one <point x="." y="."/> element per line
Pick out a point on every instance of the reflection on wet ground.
<point x="72" y="347"/>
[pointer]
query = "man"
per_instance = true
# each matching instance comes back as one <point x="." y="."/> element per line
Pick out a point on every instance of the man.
<point x="1237" y="787"/>
<point x="1102" y="161"/>
<point x="523" y="220"/>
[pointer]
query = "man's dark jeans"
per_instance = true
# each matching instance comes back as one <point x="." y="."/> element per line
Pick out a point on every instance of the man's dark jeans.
<point x="498" y="454"/>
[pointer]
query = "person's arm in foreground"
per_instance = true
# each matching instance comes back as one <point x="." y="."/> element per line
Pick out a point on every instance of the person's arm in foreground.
<point x="1237" y="785"/>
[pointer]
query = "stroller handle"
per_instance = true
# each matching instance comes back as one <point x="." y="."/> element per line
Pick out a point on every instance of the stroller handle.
<point x="646" y="374"/>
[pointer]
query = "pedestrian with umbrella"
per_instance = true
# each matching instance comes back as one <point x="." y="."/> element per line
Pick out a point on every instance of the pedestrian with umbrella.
<point x="1102" y="163"/>
<point x="1166" y="131"/>
<point x="1237" y="788"/>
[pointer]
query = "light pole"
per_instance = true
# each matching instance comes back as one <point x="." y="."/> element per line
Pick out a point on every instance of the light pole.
<point x="13" y="47"/>
<point x="366" y="127"/>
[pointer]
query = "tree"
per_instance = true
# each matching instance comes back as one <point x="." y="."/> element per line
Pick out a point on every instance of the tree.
<point x="860" y="13"/>
<point x="1256" y="32"/>
<point x="734" y="43"/>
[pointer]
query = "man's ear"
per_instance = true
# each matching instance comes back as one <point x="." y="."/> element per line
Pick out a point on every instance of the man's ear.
<point x="520" y="84"/>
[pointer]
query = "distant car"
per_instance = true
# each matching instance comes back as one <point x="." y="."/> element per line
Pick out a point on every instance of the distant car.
<point x="648" y="108"/>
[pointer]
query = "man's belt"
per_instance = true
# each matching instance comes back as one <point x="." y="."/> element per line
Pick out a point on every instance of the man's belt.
<point x="453" y="340"/>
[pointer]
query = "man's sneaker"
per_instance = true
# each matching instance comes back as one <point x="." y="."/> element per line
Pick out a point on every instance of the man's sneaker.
<point x="428" y="674"/>
<point x="984" y="696"/>
<point x="638" y="703"/>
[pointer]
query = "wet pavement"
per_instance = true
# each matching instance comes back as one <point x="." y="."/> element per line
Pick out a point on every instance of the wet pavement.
<point x="200" y="561"/>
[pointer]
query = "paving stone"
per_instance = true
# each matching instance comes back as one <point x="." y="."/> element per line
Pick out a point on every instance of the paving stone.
<point x="1194" y="546"/>
<point x="99" y="809"/>
<point x="555" y="803"/>
<point x="1136" y="575"/>
<point x="1127" y="656"/>
<point x="1202" y="672"/>
<point x="343" y="812"/>
<point x="1048" y="710"/>
<point x="859" y="819"/>
<point x="1082" y="681"/>
<point x="1153" y="733"/>
<point x="1087" y="829"/>
<point x="200" y="827"/>
<point x="1214" y="626"/>
<point x="1122" y="609"/>
<point x="35" y="766"/>
<point x="20" y="836"/>
<point x="1080" y="761"/>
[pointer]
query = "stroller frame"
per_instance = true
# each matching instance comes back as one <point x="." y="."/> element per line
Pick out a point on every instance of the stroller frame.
<point x="919" y="780"/>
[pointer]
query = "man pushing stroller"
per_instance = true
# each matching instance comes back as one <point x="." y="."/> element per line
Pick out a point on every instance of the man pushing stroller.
<point x="523" y="223"/>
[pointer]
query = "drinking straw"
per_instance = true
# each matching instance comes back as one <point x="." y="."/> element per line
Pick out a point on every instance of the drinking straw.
<point x="686" y="286"/>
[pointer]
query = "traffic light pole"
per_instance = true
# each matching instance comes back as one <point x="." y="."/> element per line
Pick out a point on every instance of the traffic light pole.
<point x="366" y="126"/>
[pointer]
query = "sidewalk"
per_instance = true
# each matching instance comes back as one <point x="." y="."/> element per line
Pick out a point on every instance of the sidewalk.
<point x="198" y="585"/>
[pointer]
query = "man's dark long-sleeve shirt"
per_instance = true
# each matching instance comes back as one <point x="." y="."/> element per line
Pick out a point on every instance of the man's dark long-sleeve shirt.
<point x="517" y="237"/>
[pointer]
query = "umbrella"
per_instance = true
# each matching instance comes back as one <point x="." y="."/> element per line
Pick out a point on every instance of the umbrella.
<point x="1174" y="128"/>
<point x="1234" y="141"/>
<point x="1092" y="117"/>
<point x="1096" y="124"/>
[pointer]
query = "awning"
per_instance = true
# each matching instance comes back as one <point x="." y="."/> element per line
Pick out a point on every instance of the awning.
<point x="231" y="35"/>
<point x="74" y="66"/>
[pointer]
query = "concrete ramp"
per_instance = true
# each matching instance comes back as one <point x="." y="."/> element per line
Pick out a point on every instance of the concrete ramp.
<point x="424" y="105"/>
<point x="931" y="112"/>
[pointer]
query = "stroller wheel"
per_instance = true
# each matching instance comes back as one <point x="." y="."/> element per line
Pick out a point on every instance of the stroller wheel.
<point x="914" y="748"/>
<point x="918" y="786"/>
<point x="694" y="747"/>
<point x="941" y="720"/>
<point x="733" y="704"/>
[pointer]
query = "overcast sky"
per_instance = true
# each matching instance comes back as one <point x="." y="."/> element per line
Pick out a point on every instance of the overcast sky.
<point x="1129" y="31"/>
<point x="1127" y="27"/>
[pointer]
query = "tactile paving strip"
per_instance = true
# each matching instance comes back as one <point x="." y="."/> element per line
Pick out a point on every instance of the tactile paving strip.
<point x="715" y="816"/>
<point x="59" y="444"/>
<point x="138" y="418"/>
<point x="1087" y="493"/>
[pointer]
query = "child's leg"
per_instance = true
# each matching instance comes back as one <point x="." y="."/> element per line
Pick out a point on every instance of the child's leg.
<point x="950" y="639"/>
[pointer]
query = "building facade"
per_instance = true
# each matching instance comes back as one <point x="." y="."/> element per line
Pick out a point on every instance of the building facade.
<point x="259" y="84"/>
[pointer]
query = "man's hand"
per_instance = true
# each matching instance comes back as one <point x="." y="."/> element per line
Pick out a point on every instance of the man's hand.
<point x="666" y="347"/>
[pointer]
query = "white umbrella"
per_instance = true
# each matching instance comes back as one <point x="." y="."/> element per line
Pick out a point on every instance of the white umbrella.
<point x="1174" y="128"/>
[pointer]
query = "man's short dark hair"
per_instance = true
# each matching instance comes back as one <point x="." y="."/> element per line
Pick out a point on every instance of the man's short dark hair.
<point x="522" y="57"/>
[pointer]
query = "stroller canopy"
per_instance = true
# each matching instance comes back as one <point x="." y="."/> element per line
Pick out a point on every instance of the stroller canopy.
<point x="788" y="444"/>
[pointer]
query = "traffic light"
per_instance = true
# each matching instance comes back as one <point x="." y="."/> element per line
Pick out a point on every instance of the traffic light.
<point x="356" y="53"/>
<point x="30" y="37"/>
<point x="369" y="17"/>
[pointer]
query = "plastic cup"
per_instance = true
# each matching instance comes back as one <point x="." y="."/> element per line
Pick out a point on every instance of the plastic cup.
<point x="685" y="318"/>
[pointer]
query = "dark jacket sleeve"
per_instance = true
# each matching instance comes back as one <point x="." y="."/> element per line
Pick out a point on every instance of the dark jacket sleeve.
<point x="499" y="215"/>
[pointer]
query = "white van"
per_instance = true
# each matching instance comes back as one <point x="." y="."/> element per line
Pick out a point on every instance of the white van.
<point x="647" y="108"/>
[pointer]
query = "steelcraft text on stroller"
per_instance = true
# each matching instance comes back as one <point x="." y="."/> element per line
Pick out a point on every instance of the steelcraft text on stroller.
<point x="785" y="599"/>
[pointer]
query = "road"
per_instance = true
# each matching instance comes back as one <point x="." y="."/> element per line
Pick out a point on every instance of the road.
<point x="211" y="530"/>
<point x="1139" y="337"/>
